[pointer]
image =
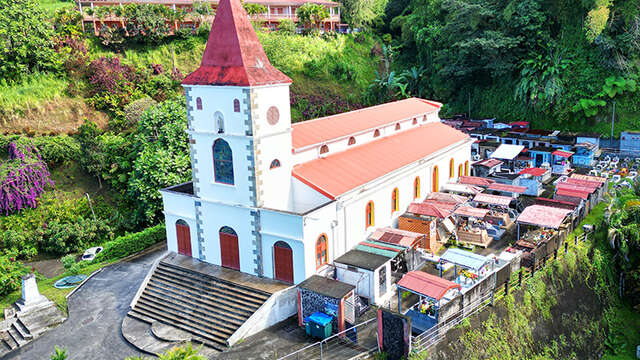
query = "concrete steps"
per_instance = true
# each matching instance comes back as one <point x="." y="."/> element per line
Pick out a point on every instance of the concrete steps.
<point x="206" y="308"/>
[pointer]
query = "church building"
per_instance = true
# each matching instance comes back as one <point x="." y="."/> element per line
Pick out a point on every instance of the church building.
<point x="281" y="200"/>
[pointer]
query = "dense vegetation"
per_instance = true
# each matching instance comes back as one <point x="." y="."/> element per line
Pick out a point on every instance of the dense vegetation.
<point x="560" y="64"/>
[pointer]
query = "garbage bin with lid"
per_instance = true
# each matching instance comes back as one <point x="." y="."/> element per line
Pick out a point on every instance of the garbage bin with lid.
<point x="318" y="325"/>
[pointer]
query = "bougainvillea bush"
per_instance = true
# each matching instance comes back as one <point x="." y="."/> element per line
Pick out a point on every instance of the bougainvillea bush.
<point x="23" y="178"/>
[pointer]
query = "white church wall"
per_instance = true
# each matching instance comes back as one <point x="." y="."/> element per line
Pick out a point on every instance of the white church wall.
<point x="303" y="198"/>
<point x="274" y="184"/>
<point x="179" y="207"/>
<point x="281" y="226"/>
<point x="217" y="215"/>
<point x="172" y="237"/>
<point x="217" y="99"/>
<point x="316" y="223"/>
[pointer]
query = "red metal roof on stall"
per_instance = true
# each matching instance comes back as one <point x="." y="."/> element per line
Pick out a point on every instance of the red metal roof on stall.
<point x="488" y="163"/>
<point x="562" y="153"/>
<point x="573" y="193"/>
<point x="446" y="197"/>
<point x="519" y="123"/>
<point x="233" y="55"/>
<point x="396" y="236"/>
<point x="431" y="208"/>
<point x="327" y="128"/>
<point x="543" y="216"/>
<point x="343" y="171"/>
<point x="555" y="203"/>
<point x="427" y="284"/>
<point x="589" y="177"/>
<point x="533" y="171"/>
<point x="574" y="187"/>
<point x="471" y="212"/>
<point x="585" y="183"/>
<point x="475" y="180"/>
<point x="493" y="199"/>
<point x="508" y="188"/>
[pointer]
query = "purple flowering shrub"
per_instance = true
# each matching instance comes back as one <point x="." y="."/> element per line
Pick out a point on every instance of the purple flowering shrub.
<point x="23" y="178"/>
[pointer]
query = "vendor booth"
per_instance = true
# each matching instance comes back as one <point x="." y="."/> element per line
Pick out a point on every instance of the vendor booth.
<point x="432" y="294"/>
<point x="473" y="267"/>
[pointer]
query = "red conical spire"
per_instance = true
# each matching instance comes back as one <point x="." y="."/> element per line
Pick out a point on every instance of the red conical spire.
<point x="233" y="55"/>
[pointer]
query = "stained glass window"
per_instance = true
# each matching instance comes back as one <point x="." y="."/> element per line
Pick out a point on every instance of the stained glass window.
<point x="222" y="162"/>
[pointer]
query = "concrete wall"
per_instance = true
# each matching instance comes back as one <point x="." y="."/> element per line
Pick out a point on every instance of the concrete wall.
<point x="279" y="306"/>
<point x="288" y="228"/>
<point x="179" y="207"/>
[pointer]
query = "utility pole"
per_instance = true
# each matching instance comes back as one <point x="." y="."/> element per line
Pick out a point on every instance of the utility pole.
<point x="613" y="118"/>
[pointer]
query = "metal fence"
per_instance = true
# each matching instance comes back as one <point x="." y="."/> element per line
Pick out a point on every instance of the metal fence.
<point x="347" y="344"/>
<point x="433" y="335"/>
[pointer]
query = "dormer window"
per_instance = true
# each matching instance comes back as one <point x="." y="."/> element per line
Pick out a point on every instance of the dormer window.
<point x="236" y="105"/>
<point x="198" y="103"/>
<point x="352" y="141"/>
<point x="219" y="120"/>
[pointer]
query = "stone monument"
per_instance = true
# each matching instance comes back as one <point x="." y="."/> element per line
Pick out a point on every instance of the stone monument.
<point x="31" y="297"/>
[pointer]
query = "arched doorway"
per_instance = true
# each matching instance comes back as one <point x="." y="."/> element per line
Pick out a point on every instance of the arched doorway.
<point x="229" y="252"/>
<point x="184" y="238"/>
<point x="434" y="182"/>
<point x="283" y="262"/>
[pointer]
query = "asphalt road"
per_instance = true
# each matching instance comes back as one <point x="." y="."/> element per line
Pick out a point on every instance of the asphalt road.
<point x="96" y="310"/>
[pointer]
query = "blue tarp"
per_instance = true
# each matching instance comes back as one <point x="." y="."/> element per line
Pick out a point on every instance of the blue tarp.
<point x="464" y="258"/>
<point x="319" y="318"/>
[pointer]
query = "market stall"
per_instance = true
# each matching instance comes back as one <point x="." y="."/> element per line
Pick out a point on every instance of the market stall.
<point x="501" y="213"/>
<point x="473" y="267"/>
<point x="471" y="228"/>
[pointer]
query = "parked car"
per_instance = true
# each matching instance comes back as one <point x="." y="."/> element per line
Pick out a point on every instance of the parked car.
<point x="91" y="253"/>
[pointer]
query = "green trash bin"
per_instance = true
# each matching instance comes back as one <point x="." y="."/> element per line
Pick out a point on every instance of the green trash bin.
<point x="318" y="325"/>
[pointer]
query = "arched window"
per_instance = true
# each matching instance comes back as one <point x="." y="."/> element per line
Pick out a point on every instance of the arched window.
<point x="394" y="200"/>
<point x="352" y="141"/>
<point x="228" y="230"/>
<point x="424" y="118"/>
<point x="376" y="133"/>
<point x="466" y="168"/>
<point x="322" y="255"/>
<point x="198" y="103"/>
<point x="436" y="186"/>
<point x="460" y="173"/>
<point x="236" y="105"/>
<point x="222" y="162"/>
<point x="219" y="119"/>
<point x="370" y="215"/>
<point x="451" y="170"/>
<point x="324" y="149"/>
<point x="416" y="187"/>
<point x="274" y="164"/>
<point x="415" y="121"/>
<point x="398" y="126"/>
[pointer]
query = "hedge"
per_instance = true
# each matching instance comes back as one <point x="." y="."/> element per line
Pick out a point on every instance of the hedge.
<point x="128" y="244"/>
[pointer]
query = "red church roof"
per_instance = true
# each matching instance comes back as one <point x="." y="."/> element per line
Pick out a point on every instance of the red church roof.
<point x="233" y="55"/>
<point x="327" y="128"/>
<point x="343" y="171"/>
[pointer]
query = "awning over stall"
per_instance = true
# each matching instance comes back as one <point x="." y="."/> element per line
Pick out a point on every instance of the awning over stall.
<point x="426" y="284"/>
<point x="493" y="199"/>
<point x="399" y="237"/>
<point x="432" y="208"/>
<point x="475" y="180"/>
<point x="508" y="188"/>
<point x="543" y="216"/>
<point x="446" y="197"/>
<point x="464" y="258"/>
<point x="468" y="211"/>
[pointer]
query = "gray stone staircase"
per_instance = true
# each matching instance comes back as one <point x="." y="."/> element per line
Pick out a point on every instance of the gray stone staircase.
<point x="207" y="308"/>
<point x="21" y="328"/>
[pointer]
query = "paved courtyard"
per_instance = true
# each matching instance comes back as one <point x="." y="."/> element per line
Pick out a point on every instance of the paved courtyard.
<point x="95" y="315"/>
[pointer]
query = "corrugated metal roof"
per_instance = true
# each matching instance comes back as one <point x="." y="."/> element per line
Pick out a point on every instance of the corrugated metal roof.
<point x="488" y="163"/>
<point x="573" y="193"/>
<point x="374" y="250"/>
<point x="507" y="151"/>
<point x="362" y="259"/>
<point x="589" y="177"/>
<point x="321" y="130"/>
<point x="475" y="180"/>
<point x="446" y="197"/>
<point x="464" y="258"/>
<point x="341" y="172"/>
<point x="508" y="188"/>
<point x="575" y="187"/>
<point x="462" y="188"/>
<point x="543" y="216"/>
<point x="585" y="183"/>
<point x="562" y="153"/>
<point x="534" y="171"/>
<point x="431" y="208"/>
<point x="493" y="199"/>
<point x="233" y="55"/>
<point x="396" y="236"/>
<point x="471" y="212"/>
<point x="427" y="284"/>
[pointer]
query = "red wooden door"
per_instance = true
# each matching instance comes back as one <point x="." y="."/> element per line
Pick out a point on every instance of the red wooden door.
<point x="283" y="260"/>
<point x="229" y="253"/>
<point x="184" y="239"/>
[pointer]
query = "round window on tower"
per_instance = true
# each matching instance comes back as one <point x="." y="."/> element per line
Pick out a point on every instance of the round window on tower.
<point x="273" y="115"/>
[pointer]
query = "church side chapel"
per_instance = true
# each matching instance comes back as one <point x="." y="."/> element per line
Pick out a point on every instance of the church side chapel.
<point x="280" y="200"/>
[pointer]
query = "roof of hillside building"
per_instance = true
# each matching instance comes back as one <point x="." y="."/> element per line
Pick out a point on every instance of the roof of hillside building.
<point x="346" y="170"/>
<point x="493" y="199"/>
<point x="589" y="177"/>
<point x="362" y="259"/>
<point x="431" y="208"/>
<point x="427" y="284"/>
<point x="585" y="183"/>
<point x="533" y="171"/>
<point x="325" y="286"/>
<point x="317" y="131"/>
<point x="475" y="180"/>
<point x="446" y="197"/>
<point x="508" y="188"/>
<point x="396" y="236"/>
<point x="507" y="152"/>
<point x="468" y="211"/>
<point x="489" y="163"/>
<point x="233" y="55"/>
<point x="543" y="216"/>
<point x="588" y="188"/>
